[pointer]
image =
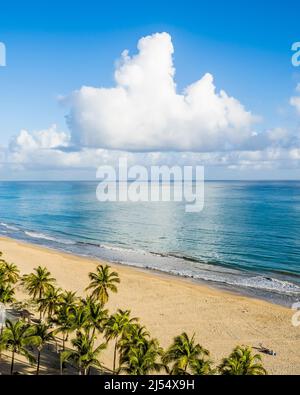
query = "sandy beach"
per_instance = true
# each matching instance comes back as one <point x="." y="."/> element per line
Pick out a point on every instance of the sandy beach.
<point x="169" y="305"/>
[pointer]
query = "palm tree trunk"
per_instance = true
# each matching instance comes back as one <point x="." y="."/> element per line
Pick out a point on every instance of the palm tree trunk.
<point x="115" y="356"/>
<point x="12" y="362"/>
<point x="60" y="365"/>
<point x="40" y="296"/>
<point x="38" y="363"/>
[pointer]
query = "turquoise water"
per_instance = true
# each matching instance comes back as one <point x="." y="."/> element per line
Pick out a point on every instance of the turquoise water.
<point x="246" y="238"/>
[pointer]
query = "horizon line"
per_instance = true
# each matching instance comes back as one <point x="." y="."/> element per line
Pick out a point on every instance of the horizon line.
<point x="206" y="180"/>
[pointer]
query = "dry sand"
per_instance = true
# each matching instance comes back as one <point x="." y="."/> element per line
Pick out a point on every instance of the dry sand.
<point x="168" y="305"/>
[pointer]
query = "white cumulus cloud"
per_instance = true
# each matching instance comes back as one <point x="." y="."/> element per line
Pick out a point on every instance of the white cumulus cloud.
<point x="50" y="149"/>
<point x="145" y="119"/>
<point x="41" y="139"/>
<point x="144" y="111"/>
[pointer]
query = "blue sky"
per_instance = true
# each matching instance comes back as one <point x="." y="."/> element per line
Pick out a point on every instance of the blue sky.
<point x="56" y="48"/>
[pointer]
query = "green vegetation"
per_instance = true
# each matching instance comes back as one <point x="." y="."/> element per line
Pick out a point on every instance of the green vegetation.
<point x="185" y="355"/>
<point x="15" y="337"/>
<point x="87" y="327"/>
<point x="243" y="363"/>
<point x="102" y="282"/>
<point x="40" y="334"/>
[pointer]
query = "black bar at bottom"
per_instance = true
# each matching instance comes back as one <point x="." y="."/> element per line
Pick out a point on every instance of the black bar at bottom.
<point x="137" y="384"/>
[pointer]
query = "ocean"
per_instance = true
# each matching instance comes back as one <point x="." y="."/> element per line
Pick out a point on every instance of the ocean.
<point x="247" y="238"/>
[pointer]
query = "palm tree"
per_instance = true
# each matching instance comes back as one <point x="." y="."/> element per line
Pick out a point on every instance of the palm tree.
<point x="9" y="272"/>
<point x="79" y="319"/>
<point x="69" y="298"/>
<point x="184" y="353"/>
<point x="38" y="283"/>
<point x="203" y="367"/>
<point x="16" y="336"/>
<point x="64" y="314"/>
<point x="49" y="302"/>
<point x="87" y="302"/>
<point x="242" y="362"/>
<point x="84" y="355"/>
<point x="7" y="294"/>
<point x="115" y="327"/>
<point x="102" y="282"/>
<point x="97" y="316"/>
<point x="133" y="335"/>
<point x="143" y="358"/>
<point x="40" y="336"/>
<point x="64" y="319"/>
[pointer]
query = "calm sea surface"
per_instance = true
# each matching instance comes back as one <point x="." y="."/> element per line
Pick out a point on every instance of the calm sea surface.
<point x="247" y="237"/>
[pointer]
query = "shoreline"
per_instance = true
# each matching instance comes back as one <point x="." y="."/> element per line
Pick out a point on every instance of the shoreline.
<point x="264" y="286"/>
<point x="168" y="305"/>
<point x="209" y="284"/>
